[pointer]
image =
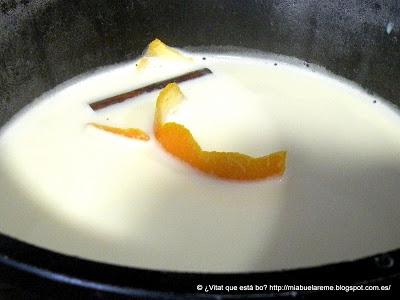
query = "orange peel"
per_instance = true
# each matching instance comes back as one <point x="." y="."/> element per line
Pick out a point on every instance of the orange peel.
<point x="142" y="63"/>
<point x="133" y="133"/>
<point x="178" y="141"/>
<point x="158" y="49"/>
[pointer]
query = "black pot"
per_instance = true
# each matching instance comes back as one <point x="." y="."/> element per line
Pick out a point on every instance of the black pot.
<point x="45" y="42"/>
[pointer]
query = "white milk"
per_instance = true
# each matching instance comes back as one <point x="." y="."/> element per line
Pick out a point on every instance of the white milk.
<point x="85" y="192"/>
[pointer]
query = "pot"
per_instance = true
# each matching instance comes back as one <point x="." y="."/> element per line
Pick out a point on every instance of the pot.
<point x="44" y="43"/>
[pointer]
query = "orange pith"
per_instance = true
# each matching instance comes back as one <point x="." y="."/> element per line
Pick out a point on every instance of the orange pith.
<point x="133" y="133"/>
<point x="178" y="140"/>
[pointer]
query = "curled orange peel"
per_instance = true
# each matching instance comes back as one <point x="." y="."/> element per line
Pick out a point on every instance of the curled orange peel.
<point x="133" y="133"/>
<point x="178" y="140"/>
<point x="158" y="49"/>
<point x="142" y="63"/>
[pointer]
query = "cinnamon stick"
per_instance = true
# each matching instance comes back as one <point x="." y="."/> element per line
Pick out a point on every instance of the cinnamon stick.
<point x="148" y="88"/>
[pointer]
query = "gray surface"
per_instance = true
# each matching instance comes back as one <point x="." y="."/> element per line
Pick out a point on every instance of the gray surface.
<point x="42" y="45"/>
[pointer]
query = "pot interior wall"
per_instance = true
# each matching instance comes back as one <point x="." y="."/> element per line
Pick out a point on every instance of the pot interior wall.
<point x="43" y="43"/>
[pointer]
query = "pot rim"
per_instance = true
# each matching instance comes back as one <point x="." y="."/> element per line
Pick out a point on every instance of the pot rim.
<point x="25" y="259"/>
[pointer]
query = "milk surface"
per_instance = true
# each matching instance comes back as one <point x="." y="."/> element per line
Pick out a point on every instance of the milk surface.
<point x="85" y="192"/>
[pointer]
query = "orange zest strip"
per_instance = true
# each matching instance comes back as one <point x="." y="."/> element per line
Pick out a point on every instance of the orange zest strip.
<point x="178" y="140"/>
<point x="134" y="133"/>
<point x="158" y="49"/>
